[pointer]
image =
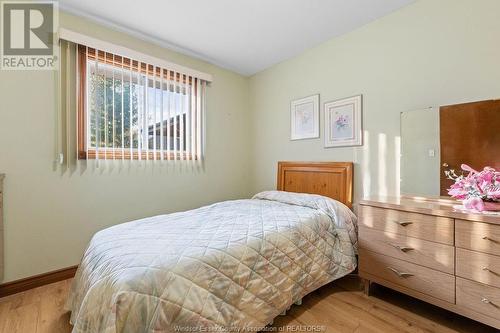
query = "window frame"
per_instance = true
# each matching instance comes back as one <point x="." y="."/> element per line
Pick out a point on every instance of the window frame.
<point x="84" y="54"/>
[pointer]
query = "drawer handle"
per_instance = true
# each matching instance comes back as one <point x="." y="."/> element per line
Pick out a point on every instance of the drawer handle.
<point x="400" y="274"/>
<point x="403" y="224"/>
<point x="490" y="239"/>
<point x="401" y="248"/>
<point x="489" y="270"/>
<point x="487" y="301"/>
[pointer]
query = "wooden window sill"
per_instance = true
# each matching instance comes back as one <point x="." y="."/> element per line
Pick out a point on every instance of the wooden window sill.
<point x="118" y="154"/>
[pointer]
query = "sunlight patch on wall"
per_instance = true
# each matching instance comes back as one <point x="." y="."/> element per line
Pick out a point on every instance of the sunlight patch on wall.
<point x="382" y="164"/>
<point x="397" y="159"/>
<point x="366" y="165"/>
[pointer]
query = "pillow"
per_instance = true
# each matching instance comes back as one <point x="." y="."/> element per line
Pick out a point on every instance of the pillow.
<point x="339" y="213"/>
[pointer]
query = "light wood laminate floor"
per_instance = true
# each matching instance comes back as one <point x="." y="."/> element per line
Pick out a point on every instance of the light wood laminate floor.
<point x="337" y="307"/>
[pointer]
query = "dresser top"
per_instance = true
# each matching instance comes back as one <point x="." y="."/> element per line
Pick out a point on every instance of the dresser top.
<point x="432" y="206"/>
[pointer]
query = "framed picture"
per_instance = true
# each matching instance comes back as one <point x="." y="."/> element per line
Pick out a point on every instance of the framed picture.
<point x="304" y="115"/>
<point x="343" y="122"/>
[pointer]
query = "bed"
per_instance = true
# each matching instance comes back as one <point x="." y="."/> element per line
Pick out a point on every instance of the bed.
<point x="229" y="266"/>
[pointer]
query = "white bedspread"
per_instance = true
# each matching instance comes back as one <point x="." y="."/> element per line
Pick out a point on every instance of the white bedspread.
<point x="234" y="264"/>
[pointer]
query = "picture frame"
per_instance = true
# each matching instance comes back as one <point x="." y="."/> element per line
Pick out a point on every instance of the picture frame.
<point x="304" y="118"/>
<point x="343" y="122"/>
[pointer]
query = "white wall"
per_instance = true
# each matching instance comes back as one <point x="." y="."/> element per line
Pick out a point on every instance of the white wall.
<point x="429" y="53"/>
<point x="49" y="217"/>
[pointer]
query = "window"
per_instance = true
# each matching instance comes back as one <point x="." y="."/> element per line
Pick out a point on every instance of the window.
<point x="129" y="109"/>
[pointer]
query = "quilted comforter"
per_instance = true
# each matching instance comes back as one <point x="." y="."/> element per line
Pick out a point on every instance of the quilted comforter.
<point x="233" y="265"/>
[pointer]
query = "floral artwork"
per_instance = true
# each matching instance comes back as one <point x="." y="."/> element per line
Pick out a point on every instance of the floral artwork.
<point x="304" y="114"/>
<point x="478" y="190"/>
<point x="343" y="122"/>
<point x="304" y="117"/>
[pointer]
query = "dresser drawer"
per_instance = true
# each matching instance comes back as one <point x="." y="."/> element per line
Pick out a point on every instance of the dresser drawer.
<point x="418" y="251"/>
<point x="478" y="236"/>
<point x="477" y="266"/>
<point x="422" y="279"/>
<point x="478" y="297"/>
<point x="428" y="227"/>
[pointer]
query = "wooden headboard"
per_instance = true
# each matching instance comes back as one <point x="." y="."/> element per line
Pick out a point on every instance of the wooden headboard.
<point x="331" y="179"/>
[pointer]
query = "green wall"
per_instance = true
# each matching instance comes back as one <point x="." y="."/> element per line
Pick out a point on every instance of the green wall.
<point x="429" y="53"/>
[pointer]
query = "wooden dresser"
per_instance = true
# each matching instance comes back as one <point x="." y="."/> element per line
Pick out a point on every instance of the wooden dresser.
<point x="427" y="249"/>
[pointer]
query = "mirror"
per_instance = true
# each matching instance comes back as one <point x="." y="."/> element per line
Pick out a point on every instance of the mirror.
<point x="420" y="156"/>
<point x="437" y="139"/>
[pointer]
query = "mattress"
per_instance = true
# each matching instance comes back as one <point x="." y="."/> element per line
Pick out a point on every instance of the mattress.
<point x="230" y="266"/>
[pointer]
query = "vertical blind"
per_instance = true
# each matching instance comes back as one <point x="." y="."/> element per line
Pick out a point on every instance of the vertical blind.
<point x="132" y="108"/>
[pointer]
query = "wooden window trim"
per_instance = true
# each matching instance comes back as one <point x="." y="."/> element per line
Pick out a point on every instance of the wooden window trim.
<point x="118" y="154"/>
<point x="84" y="54"/>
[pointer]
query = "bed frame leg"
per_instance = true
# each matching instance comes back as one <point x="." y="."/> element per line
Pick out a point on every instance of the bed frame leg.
<point x="367" y="284"/>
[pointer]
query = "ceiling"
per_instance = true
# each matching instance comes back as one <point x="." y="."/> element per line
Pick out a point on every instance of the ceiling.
<point x="245" y="36"/>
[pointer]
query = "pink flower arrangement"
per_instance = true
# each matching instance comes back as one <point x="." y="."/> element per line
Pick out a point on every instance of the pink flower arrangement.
<point x="478" y="190"/>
